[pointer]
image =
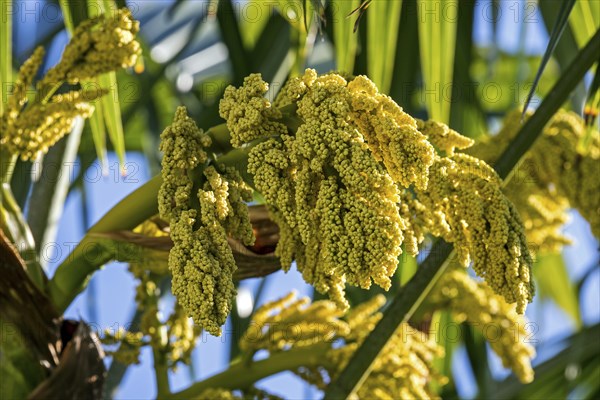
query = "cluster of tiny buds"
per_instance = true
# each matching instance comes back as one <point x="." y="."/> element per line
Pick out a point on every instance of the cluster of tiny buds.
<point x="358" y="175"/>
<point x="98" y="46"/>
<point x="201" y="261"/>
<point x="556" y="174"/>
<point x="477" y="304"/>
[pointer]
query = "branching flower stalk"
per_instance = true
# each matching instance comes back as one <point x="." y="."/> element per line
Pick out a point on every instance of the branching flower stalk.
<point x="327" y="336"/>
<point x="477" y="304"/>
<point x="349" y="177"/>
<point x="555" y="175"/>
<point x="342" y="215"/>
<point x="336" y="186"/>
<point x="337" y="207"/>
<point x="29" y="125"/>
<point x="98" y="45"/>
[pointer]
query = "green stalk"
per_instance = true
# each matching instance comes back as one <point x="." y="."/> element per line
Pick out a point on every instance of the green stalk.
<point x="399" y="310"/>
<point x="241" y="375"/>
<point x="161" y="368"/>
<point x="161" y="371"/>
<point x="409" y="298"/>
<point x="7" y="165"/>
<point x="14" y="226"/>
<point x="12" y="222"/>
<point x="49" y="193"/>
<point x="72" y="275"/>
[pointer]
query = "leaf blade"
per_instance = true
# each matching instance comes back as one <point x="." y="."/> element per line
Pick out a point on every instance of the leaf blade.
<point x="346" y="40"/>
<point x="5" y="50"/>
<point x="557" y="30"/>
<point x="111" y="110"/>
<point x="383" y="19"/>
<point x="553" y="281"/>
<point x="437" y="41"/>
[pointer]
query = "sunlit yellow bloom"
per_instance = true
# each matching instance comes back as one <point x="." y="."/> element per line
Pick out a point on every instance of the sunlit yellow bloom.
<point x="130" y="344"/>
<point x="217" y="394"/>
<point x="351" y="179"/>
<point x="201" y="261"/>
<point x="335" y="204"/>
<point x="466" y="206"/>
<point x="97" y="46"/>
<point x="41" y="125"/>
<point x="24" y="80"/>
<point x="182" y="336"/>
<point x="552" y="176"/>
<point x="503" y="328"/>
<point x="404" y="369"/>
<point x="391" y="134"/>
<point x="248" y="114"/>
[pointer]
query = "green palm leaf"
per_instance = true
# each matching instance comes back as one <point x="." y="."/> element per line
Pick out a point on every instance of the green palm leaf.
<point x="346" y="39"/>
<point x="383" y="19"/>
<point x="5" y="50"/>
<point x="584" y="20"/>
<point x="557" y="30"/>
<point x="437" y="40"/>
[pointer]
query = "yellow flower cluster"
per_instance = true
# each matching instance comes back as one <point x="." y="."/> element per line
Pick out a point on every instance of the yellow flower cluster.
<point x="201" y="261"/>
<point x="542" y="209"/>
<point x="391" y="134"/>
<point x="358" y="175"/>
<point x="444" y="138"/>
<point x="148" y="259"/>
<point x="181" y="334"/>
<point x="231" y="194"/>
<point x="502" y="326"/>
<point x="130" y="344"/>
<point x="24" y="80"/>
<point x="290" y="322"/>
<point x="556" y="173"/>
<point x="39" y="126"/>
<point x="98" y="45"/>
<point x="34" y="129"/>
<point x="465" y="200"/>
<point x="248" y="114"/>
<point x="403" y="369"/>
<point x="250" y="393"/>
<point x="217" y="394"/>
<point x="574" y="172"/>
<point x="336" y="206"/>
<point x="182" y="144"/>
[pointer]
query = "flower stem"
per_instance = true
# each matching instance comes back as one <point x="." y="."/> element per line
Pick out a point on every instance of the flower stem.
<point x="7" y="165"/>
<point x="14" y="226"/>
<point x="161" y="371"/>
<point x="241" y="375"/>
<point x="89" y="255"/>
